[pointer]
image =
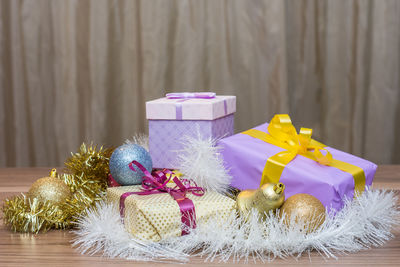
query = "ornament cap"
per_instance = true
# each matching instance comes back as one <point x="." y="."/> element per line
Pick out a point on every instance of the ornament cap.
<point x="53" y="173"/>
<point x="279" y="188"/>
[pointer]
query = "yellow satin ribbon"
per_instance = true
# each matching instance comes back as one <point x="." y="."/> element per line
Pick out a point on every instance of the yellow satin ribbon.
<point x="282" y="133"/>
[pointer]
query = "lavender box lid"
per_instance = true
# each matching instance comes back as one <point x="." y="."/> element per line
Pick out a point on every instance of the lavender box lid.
<point x="245" y="158"/>
<point x="190" y="109"/>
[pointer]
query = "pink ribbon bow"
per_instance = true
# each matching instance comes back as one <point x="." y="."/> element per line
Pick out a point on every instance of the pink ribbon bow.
<point x="157" y="184"/>
<point x="187" y="96"/>
<point x="204" y="95"/>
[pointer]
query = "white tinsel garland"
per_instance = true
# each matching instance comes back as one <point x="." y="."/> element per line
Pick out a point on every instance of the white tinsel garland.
<point x="139" y="139"/>
<point x="364" y="222"/>
<point x="201" y="162"/>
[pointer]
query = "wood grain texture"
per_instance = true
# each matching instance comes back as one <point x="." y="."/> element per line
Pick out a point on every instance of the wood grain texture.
<point x="54" y="248"/>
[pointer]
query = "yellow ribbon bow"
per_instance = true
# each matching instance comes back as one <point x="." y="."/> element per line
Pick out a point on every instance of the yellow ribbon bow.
<point x="282" y="133"/>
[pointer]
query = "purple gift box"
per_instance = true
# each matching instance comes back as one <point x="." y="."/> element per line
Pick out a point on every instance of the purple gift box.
<point x="245" y="157"/>
<point x="178" y="115"/>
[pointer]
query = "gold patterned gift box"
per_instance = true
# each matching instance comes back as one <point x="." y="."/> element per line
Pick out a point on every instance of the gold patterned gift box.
<point x="158" y="216"/>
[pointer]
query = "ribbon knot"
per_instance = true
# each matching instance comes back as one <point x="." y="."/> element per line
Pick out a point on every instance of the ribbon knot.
<point x="182" y="97"/>
<point x="282" y="133"/>
<point x="187" y="95"/>
<point x="282" y="130"/>
<point x="156" y="183"/>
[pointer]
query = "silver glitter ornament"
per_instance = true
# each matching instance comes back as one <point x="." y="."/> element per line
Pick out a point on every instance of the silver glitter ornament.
<point x="119" y="164"/>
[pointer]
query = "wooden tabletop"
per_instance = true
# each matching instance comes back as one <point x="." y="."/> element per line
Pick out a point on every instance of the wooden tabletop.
<point x="54" y="248"/>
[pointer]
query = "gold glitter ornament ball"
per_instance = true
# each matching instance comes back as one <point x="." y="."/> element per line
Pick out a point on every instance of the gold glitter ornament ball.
<point x="268" y="197"/>
<point x="305" y="208"/>
<point x="50" y="189"/>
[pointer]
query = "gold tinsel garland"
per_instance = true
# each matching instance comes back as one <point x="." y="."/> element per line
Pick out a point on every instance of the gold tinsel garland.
<point x="85" y="174"/>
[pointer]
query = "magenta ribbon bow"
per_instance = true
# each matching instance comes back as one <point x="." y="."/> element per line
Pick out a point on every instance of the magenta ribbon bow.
<point x="157" y="184"/>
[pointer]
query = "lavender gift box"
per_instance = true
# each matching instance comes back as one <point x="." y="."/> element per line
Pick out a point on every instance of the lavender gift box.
<point x="245" y="158"/>
<point x="186" y="114"/>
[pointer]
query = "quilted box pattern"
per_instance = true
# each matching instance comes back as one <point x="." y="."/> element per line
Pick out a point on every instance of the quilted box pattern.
<point x="166" y="137"/>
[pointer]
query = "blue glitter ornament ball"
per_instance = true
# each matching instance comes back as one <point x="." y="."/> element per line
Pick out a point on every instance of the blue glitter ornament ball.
<point x="119" y="164"/>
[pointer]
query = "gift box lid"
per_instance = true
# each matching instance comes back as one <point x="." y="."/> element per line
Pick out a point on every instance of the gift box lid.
<point x="186" y="106"/>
